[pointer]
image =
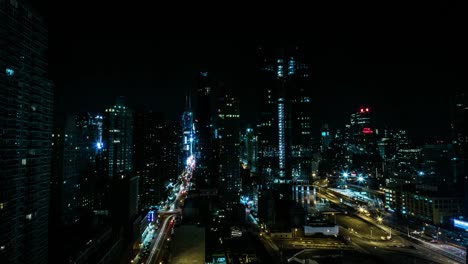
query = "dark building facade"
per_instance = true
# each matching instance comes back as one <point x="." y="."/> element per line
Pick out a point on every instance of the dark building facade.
<point x="172" y="145"/>
<point x="150" y="140"/>
<point x="439" y="170"/>
<point x="229" y="142"/>
<point x="92" y="169"/>
<point x="459" y="139"/>
<point x="26" y="111"/>
<point x="207" y="145"/>
<point x="65" y="177"/>
<point x="76" y="151"/>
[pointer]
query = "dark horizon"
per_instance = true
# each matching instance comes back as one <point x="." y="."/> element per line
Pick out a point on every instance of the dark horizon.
<point x="154" y="63"/>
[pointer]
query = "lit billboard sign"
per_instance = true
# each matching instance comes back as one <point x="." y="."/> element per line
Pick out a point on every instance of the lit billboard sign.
<point x="219" y="260"/>
<point x="460" y="224"/>
<point x="151" y="216"/>
<point x="367" y="130"/>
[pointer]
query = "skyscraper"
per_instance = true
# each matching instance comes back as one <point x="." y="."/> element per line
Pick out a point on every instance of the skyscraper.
<point x="26" y="102"/>
<point x="249" y="149"/>
<point x="188" y="128"/>
<point x="206" y="131"/>
<point x="459" y="139"/>
<point x="88" y="136"/>
<point x="65" y="177"/>
<point x="325" y="138"/>
<point x="149" y="142"/>
<point x="118" y="138"/>
<point x="362" y="139"/>
<point x="229" y="131"/>
<point x="172" y="144"/>
<point x="75" y="167"/>
<point x="285" y="137"/>
<point x="285" y="118"/>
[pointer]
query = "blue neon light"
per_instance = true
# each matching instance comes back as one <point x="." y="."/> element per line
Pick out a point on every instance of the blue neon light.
<point x="151" y="216"/>
<point x="460" y="224"/>
<point x="9" y="72"/>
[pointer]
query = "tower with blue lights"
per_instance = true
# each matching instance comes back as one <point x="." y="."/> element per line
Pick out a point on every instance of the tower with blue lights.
<point x="285" y="118"/>
<point x="188" y="128"/>
<point x="284" y="131"/>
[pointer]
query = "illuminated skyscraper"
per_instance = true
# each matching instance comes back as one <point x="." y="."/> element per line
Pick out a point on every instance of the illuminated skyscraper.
<point x="285" y="118"/>
<point x="26" y="105"/>
<point x="362" y="133"/>
<point x="118" y="138"/>
<point x="361" y="122"/>
<point x="249" y="149"/>
<point x="325" y="138"/>
<point x="188" y="128"/>
<point x="285" y="138"/>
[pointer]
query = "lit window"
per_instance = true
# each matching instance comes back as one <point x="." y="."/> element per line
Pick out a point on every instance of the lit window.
<point x="23" y="162"/>
<point x="29" y="216"/>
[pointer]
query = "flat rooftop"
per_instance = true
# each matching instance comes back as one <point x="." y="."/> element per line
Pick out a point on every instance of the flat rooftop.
<point x="188" y="245"/>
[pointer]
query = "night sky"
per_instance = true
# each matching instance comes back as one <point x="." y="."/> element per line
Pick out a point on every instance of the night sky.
<point x="404" y="68"/>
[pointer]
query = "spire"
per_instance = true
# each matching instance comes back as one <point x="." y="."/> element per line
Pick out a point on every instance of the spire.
<point x="188" y="101"/>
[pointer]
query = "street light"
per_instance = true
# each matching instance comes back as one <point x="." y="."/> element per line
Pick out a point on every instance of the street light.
<point x="379" y="219"/>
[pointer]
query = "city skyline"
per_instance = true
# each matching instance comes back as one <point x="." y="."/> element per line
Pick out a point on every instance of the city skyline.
<point x="138" y="141"/>
<point x="97" y="60"/>
<point x="334" y="99"/>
